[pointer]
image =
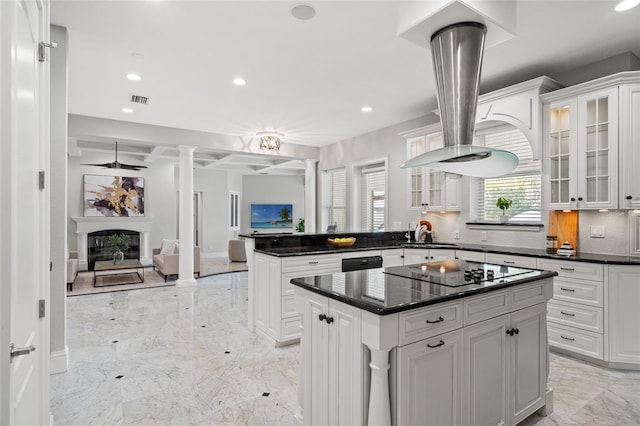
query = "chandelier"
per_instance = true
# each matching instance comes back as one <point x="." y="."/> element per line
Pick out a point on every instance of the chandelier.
<point x="269" y="140"/>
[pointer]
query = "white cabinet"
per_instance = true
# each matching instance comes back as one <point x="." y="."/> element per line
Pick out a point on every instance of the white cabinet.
<point x="630" y="135"/>
<point x="624" y="314"/>
<point x="504" y="361"/>
<point x="267" y="314"/>
<point x="440" y="190"/>
<point x="429" y="381"/>
<point x="413" y="256"/>
<point x="331" y="383"/>
<point x="510" y="260"/>
<point x="392" y="257"/>
<point x="576" y="312"/>
<point x="581" y="149"/>
<point x="474" y="256"/>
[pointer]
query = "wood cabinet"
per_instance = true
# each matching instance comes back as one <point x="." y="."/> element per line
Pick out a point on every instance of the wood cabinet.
<point x="441" y="191"/>
<point x="504" y="359"/>
<point x="581" y="147"/>
<point x="629" y="146"/>
<point x="624" y="314"/>
<point x="332" y="391"/>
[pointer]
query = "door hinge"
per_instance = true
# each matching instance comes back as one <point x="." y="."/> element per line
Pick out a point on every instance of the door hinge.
<point x="42" y="53"/>
<point x="41" y="308"/>
<point x="41" y="180"/>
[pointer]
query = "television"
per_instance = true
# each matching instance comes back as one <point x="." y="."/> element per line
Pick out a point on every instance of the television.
<point x="271" y="216"/>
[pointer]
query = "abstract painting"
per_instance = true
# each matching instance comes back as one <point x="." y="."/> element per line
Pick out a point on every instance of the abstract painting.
<point x="113" y="196"/>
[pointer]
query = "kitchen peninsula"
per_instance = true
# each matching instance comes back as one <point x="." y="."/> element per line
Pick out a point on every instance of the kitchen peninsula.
<point x="444" y="342"/>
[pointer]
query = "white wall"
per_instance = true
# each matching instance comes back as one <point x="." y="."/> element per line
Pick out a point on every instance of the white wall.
<point x="160" y="195"/>
<point x="214" y="185"/>
<point x="266" y="189"/>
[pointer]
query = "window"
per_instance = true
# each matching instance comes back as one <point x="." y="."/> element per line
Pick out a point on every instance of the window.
<point x="337" y="199"/>
<point x="373" y="198"/>
<point x="234" y="216"/>
<point x="523" y="185"/>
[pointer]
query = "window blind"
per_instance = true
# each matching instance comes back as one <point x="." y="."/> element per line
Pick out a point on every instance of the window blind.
<point x="338" y="199"/>
<point x="373" y="198"/>
<point x="523" y="185"/>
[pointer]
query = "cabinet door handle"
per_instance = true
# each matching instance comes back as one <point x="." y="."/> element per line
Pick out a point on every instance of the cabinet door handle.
<point x="567" y="269"/>
<point x="629" y="197"/>
<point x="568" y="289"/>
<point x="329" y="320"/>
<point x="571" y="339"/>
<point x="322" y="317"/>
<point x="569" y="314"/>
<point x="313" y="262"/>
<point x="579" y="198"/>
<point x="435" y="346"/>
<point x="515" y="330"/>
<point x="573" y="198"/>
<point x="509" y="262"/>
<point x="510" y="332"/>
<point x="440" y="319"/>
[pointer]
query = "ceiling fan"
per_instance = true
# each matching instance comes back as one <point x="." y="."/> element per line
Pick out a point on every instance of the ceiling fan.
<point x="116" y="164"/>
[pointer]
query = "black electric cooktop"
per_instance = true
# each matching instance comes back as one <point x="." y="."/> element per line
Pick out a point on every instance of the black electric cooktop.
<point x="455" y="273"/>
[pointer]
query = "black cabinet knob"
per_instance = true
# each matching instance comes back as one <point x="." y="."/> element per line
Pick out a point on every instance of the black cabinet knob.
<point x="516" y="331"/>
<point x="629" y="197"/>
<point x="573" y="198"/>
<point x="322" y="317"/>
<point x="329" y="320"/>
<point x="579" y="198"/>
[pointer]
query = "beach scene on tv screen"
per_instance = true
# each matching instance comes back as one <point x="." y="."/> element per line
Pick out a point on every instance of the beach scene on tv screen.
<point x="271" y="216"/>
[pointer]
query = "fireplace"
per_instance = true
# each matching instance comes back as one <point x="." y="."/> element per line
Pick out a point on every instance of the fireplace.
<point x="98" y="247"/>
<point x="90" y="225"/>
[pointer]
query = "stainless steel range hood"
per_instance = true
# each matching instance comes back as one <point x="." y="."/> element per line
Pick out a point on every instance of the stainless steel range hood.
<point x="457" y="61"/>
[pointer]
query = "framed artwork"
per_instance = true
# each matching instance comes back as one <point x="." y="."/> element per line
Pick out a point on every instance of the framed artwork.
<point x="113" y="196"/>
<point x="271" y="216"/>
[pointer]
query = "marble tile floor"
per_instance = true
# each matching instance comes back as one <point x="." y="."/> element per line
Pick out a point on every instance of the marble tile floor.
<point x="183" y="356"/>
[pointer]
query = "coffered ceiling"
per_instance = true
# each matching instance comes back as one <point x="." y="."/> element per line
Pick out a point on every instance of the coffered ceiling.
<point x="308" y="79"/>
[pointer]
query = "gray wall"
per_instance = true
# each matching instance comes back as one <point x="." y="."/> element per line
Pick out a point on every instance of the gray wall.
<point x="271" y="190"/>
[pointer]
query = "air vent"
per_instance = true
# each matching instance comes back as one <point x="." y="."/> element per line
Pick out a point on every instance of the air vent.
<point x="137" y="99"/>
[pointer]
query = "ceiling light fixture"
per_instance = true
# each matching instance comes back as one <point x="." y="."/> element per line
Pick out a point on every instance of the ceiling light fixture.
<point x="367" y="109"/>
<point x="127" y="110"/>
<point x="134" y="77"/>
<point x="269" y="140"/>
<point x="303" y="12"/>
<point x="626" y="5"/>
<point x="239" y="81"/>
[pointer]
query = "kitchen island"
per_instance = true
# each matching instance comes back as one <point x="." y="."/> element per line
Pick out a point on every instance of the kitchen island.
<point x="424" y="344"/>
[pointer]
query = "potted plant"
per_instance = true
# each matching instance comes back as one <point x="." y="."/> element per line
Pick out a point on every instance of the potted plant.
<point x="504" y="204"/>
<point x="119" y="243"/>
<point x="300" y="225"/>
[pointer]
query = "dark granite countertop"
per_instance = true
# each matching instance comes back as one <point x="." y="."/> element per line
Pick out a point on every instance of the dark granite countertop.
<point x="286" y="245"/>
<point x="382" y="294"/>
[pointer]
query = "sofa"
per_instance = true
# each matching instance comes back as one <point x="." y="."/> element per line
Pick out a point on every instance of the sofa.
<point x="72" y="269"/>
<point x="168" y="263"/>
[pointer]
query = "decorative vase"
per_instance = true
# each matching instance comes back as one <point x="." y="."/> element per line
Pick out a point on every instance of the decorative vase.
<point x="504" y="218"/>
<point x="118" y="257"/>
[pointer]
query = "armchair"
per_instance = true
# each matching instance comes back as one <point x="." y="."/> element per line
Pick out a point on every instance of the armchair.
<point x="167" y="264"/>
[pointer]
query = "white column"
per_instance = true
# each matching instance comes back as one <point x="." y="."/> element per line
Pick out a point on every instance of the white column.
<point x="145" y="248"/>
<point x="379" y="402"/>
<point x="249" y="245"/>
<point x="185" y="228"/>
<point x="310" y="191"/>
<point x="83" y="256"/>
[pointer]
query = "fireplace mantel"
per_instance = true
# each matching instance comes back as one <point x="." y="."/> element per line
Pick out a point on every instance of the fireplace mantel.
<point x="85" y="225"/>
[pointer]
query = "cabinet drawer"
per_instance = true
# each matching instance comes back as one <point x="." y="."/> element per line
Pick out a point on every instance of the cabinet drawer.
<point x="574" y="340"/>
<point x="506" y="259"/>
<point x="428" y="322"/>
<point x="569" y="269"/>
<point x="574" y="315"/>
<point x="307" y="265"/>
<point x="289" y="306"/>
<point x="474" y="256"/>
<point x="530" y="294"/>
<point x="584" y="292"/>
<point x="484" y="307"/>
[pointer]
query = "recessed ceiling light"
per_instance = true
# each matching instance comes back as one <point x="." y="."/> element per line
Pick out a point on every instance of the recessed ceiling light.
<point x="134" y="77"/>
<point x="304" y="12"/>
<point x="626" y="5"/>
<point x="239" y="81"/>
<point x="127" y="110"/>
<point x="367" y="109"/>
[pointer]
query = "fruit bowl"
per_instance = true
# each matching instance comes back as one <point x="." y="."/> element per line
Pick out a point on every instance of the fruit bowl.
<point x="342" y="242"/>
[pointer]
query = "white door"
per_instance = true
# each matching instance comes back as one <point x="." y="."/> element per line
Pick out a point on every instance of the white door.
<point x="24" y="213"/>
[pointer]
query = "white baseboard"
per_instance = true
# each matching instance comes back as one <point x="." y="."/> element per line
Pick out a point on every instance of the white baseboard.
<point x="215" y="254"/>
<point x="59" y="361"/>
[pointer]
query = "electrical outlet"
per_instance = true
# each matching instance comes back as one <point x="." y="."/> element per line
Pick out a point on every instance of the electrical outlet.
<point x="483" y="236"/>
<point x="597" y="231"/>
<point x="456" y="234"/>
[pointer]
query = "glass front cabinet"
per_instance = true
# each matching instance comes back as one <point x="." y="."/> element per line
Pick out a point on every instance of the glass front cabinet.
<point x="581" y="150"/>
<point x="440" y="190"/>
